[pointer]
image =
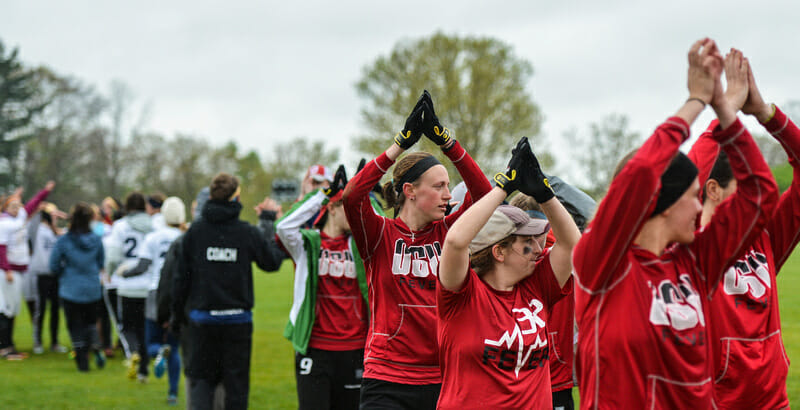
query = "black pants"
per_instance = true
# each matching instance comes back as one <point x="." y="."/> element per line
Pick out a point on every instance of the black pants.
<point x="329" y="379"/>
<point x="379" y="394"/>
<point x="131" y="313"/>
<point x="562" y="400"/>
<point x="219" y="353"/>
<point x="6" y="331"/>
<point x="104" y="312"/>
<point x="81" y="319"/>
<point x="47" y="289"/>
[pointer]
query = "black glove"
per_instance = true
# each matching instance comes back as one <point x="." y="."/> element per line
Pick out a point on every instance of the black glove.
<point x="338" y="184"/>
<point x="431" y="126"/>
<point x="361" y="165"/>
<point x="525" y="174"/>
<point x="413" y="128"/>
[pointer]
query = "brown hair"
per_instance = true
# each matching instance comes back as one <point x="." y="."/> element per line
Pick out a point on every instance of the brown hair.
<point x="483" y="260"/>
<point x="525" y="202"/>
<point x="395" y="199"/>
<point x="80" y="217"/>
<point x="223" y="186"/>
<point x="134" y="202"/>
<point x="321" y="223"/>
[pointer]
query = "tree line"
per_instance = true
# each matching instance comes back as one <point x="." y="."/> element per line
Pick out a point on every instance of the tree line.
<point x="94" y="143"/>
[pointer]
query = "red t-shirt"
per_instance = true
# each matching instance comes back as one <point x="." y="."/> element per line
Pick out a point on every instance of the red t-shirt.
<point x="642" y="318"/>
<point x="401" y="267"/>
<point x="341" y="313"/>
<point x="560" y="335"/>
<point x="493" y="345"/>
<point x="750" y="362"/>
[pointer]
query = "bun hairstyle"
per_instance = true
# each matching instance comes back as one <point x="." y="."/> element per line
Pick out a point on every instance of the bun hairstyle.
<point x="393" y="190"/>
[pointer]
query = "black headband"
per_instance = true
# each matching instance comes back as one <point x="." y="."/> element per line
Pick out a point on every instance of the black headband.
<point x="155" y="203"/>
<point x="675" y="181"/>
<point x="415" y="172"/>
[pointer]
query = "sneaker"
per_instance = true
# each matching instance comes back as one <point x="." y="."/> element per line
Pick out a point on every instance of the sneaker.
<point x="141" y="378"/>
<point x="99" y="359"/>
<point x="172" y="400"/>
<point x="161" y="361"/>
<point x="13" y="355"/>
<point x="57" y="348"/>
<point x="133" y="366"/>
<point x="38" y="349"/>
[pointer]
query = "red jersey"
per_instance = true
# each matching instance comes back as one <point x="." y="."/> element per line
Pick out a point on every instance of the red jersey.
<point x="401" y="268"/>
<point x="750" y="362"/>
<point x="560" y="335"/>
<point x="341" y="315"/>
<point x="494" y="347"/>
<point x="642" y="317"/>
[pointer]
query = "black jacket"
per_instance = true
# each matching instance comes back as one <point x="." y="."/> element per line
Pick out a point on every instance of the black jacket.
<point x="214" y="270"/>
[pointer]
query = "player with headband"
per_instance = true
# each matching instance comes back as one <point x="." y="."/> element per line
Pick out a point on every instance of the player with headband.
<point x="644" y="275"/>
<point x="401" y="257"/>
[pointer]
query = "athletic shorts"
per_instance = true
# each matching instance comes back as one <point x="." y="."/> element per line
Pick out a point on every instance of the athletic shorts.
<point x="380" y="394"/>
<point x="329" y="379"/>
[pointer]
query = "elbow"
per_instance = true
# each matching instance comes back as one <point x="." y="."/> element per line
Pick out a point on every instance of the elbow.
<point x="455" y="242"/>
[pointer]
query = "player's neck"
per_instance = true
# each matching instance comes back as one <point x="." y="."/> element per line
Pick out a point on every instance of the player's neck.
<point x="413" y="219"/>
<point x="654" y="236"/>
<point x="500" y="280"/>
<point x="332" y="230"/>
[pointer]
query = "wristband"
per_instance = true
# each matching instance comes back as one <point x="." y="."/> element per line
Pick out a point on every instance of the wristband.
<point x="773" y="110"/>
<point x="698" y="100"/>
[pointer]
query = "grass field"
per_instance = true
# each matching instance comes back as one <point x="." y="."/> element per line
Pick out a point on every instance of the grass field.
<point x="51" y="381"/>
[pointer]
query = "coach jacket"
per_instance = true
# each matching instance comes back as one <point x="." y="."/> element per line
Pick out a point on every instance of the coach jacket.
<point x="215" y="270"/>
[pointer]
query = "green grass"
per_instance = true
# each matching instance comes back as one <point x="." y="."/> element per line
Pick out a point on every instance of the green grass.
<point x="51" y="380"/>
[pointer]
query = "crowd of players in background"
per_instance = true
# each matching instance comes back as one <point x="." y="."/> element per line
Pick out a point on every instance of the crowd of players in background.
<point x="480" y="297"/>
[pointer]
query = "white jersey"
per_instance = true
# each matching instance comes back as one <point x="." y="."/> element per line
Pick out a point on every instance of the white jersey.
<point x="42" y="247"/>
<point x="124" y="247"/>
<point x="158" y="221"/>
<point x="14" y="234"/>
<point x="156" y="245"/>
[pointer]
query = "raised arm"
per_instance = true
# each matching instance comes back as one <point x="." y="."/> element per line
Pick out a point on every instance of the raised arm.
<point x="784" y="225"/>
<point x="365" y="224"/>
<point x="567" y="236"/>
<point x="40" y="196"/>
<point x="738" y="221"/>
<point x="477" y="184"/>
<point x="288" y="227"/>
<point x="633" y="193"/>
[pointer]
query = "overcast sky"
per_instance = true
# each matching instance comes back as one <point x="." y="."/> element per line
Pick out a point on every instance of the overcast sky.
<point x="262" y="72"/>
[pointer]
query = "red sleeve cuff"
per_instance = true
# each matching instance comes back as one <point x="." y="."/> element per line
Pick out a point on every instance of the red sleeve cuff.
<point x="383" y="162"/>
<point x="777" y="122"/>
<point x="456" y="152"/>
<point x="726" y="135"/>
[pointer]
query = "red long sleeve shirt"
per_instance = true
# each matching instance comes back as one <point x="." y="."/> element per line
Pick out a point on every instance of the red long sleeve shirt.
<point x="642" y="317"/>
<point x="750" y="362"/>
<point x="401" y="268"/>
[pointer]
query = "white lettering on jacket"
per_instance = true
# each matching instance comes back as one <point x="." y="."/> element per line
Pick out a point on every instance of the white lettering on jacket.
<point x="221" y="254"/>
<point x="420" y="261"/>
<point x="337" y="264"/>
<point x="676" y="305"/>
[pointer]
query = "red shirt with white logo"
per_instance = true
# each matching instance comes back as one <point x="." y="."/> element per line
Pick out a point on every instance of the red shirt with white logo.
<point x="341" y="322"/>
<point x="401" y="268"/>
<point x="750" y="362"/>
<point x="493" y="344"/>
<point x="643" y="318"/>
